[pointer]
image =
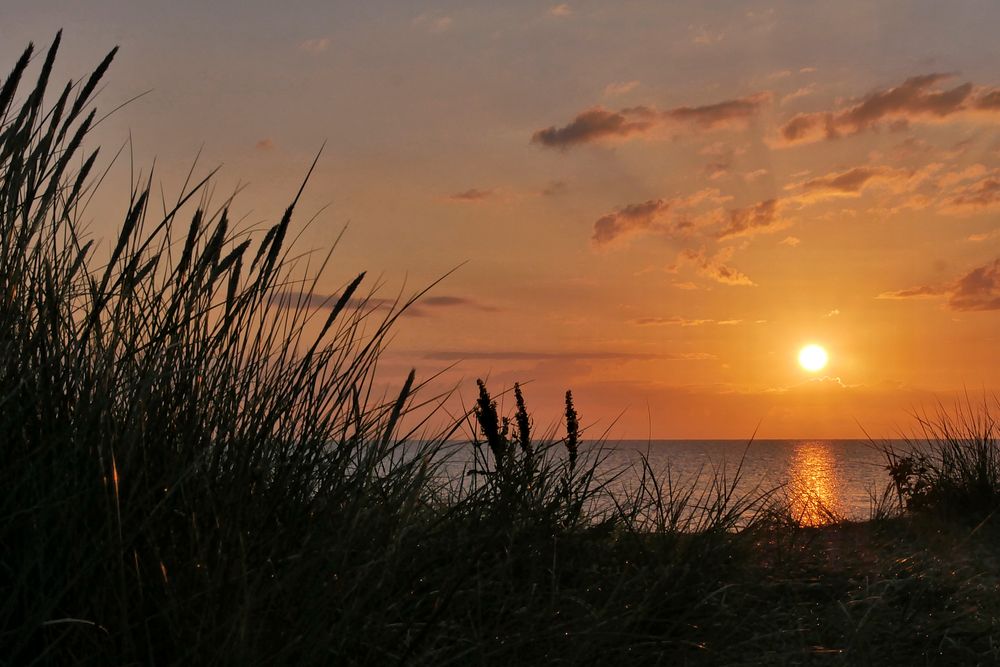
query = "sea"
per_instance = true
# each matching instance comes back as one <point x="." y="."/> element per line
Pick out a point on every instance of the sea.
<point x="819" y="480"/>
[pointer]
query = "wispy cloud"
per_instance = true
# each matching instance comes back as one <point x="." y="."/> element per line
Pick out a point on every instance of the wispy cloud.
<point x="629" y="220"/>
<point x="921" y="292"/>
<point x="663" y="216"/>
<point x="511" y="355"/>
<point x="978" y="289"/>
<point x="620" y="88"/>
<point x="761" y="218"/>
<point x="562" y="9"/>
<point x="471" y="195"/>
<point x="799" y="93"/>
<point x="983" y="193"/>
<point x="919" y="98"/>
<point x="669" y="321"/>
<point x="704" y="37"/>
<point x="597" y="123"/>
<point x="554" y="189"/>
<point x="716" y="267"/>
<point x="681" y="321"/>
<point x="425" y="306"/>
<point x="265" y="144"/>
<point x="315" y="46"/>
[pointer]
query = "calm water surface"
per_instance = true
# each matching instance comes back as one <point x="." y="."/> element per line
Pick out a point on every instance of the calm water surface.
<point x="838" y="475"/>
<point x="819" y="478"/>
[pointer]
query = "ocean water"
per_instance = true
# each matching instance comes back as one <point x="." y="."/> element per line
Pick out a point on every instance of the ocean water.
<point x="819" y="479"/>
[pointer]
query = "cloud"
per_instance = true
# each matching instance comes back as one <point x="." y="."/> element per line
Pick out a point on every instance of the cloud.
<point x="470" y="195"/>
<point x="854" y="181"/>
<point x="754" y="175"/>
<point x="315" y="46"/>
<point x="984" y="236"/>
<point x="833" y="313"/>
<point x="620" y="88"/>
<point x="702" y="36"/>
<point x="509" y="355"/>
<point x="790" y="241"/>
<point x="804" y="91"/>
<point x="629" y="220"/>
<point x="265" y="144"/>
<point x="851" y="181"/>
<point x="598" y="123"/>
<point x="716" y="268"/>
<point x="423" y="307"/>
<point x="979" y="289"/>
<point x="917" y="98"/>
<point x="554" y="189"/>
<point x="761" y="218"/>
<point x="676" y="217"/>
<point x="666" y="321"/>
<point x="921" y="292"/>
<point x="453" y="301"/>
<point x="982" y="194"/>
<point x="591" y="125"/>
<point x="562" y="9"/>
<point x="721" y="113"/>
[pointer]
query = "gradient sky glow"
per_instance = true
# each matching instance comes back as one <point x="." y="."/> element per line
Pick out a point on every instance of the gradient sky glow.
<point x="658" y="203"/>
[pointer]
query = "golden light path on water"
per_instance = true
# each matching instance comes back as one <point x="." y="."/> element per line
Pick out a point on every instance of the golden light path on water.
<point x="814" y="494"/>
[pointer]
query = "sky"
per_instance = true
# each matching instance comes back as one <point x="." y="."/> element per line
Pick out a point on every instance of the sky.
<point x="656" y="205"/>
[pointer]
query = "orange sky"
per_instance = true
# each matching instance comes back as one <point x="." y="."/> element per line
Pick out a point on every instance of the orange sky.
<point x="657" y="206"/>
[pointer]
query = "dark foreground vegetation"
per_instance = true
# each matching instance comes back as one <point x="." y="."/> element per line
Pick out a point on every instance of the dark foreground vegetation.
<point x="197" y="469"/>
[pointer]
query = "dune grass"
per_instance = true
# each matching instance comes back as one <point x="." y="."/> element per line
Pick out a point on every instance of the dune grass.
<point x="951" y="466"/>
<point x="198" y="468"/>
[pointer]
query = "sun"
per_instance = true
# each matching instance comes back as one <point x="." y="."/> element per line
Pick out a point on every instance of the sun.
<point x="813" y="358"/>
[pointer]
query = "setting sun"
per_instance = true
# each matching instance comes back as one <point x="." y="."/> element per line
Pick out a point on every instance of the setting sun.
<point x="813" y="358"/>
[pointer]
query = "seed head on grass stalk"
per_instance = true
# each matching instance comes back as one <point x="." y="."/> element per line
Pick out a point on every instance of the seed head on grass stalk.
<point x="489" y="423"/>
<point x="572" y="431"/>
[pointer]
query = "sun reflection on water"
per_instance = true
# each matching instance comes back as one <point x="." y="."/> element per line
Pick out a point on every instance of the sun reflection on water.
<point x="814" y="496"/>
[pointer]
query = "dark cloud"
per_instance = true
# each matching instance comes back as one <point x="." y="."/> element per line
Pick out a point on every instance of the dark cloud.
<point x="454" y="301"/>
<point x="719" y="114"/>
<point x="422" y="308"/>
<point x="471" y="195"/>
<point x="989" y="101"/>
<point x="598" y="123"/>
<point x="984" y="193"/>
<point x="629" y="220"/>
<point x="757" y="219"/>
<point x="979" y="289"/>
<point x="590" y="125"/>
<point x="916" y="98"/>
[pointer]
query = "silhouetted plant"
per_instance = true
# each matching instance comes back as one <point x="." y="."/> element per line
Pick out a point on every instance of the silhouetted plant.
<point x="953" y="467"/>
<point x="523" y="422"/>
<point x="572" y="430"/>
